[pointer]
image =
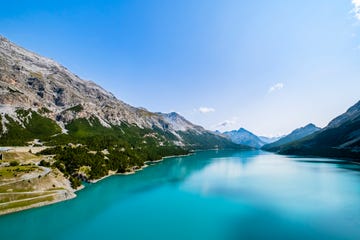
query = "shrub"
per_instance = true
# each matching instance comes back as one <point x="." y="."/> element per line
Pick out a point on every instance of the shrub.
<point x="44" y="163"/>
<point x="14" y="163"/>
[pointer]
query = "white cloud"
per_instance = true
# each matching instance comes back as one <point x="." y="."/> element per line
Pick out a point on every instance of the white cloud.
<point x="356" y="9"/>
<point x="277" y="86"/>
<point x="206" y="109"/>
<point x="226" y="125"/>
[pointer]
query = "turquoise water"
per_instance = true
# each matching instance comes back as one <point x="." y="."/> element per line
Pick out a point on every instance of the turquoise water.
<point x="209" y="195"/>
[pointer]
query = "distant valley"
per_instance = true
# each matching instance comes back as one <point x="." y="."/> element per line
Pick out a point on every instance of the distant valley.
<point x="339" y="139"/>
<point x="245" y="137"/>
<point x="59" y="130"/>
<point x="84" y="131"/>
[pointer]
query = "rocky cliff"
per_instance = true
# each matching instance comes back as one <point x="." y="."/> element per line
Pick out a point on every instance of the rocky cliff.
<point x="30" y="81"/>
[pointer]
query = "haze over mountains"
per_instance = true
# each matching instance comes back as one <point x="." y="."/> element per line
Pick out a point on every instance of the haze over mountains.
<point x="269" y="139"/>
<point x="340" y="138"/>
<point x="245" y="137"/>
<point x="293" y="136"/>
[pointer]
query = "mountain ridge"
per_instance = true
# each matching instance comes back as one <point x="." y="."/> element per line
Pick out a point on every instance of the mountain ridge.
<point x="339" y="139"/>
<point x="244" y="137"/>
<point x="31" y="81"/>
<point x="82" y="125"/>
<point x="296" y="134"/>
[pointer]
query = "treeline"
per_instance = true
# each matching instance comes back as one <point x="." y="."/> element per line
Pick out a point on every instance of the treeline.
<point x="35" y="127"/>
<point x="209" y="141"/>
<point x="70" y="159"/>
<point x="119" y="148"/>
<point x="127" y="146"/>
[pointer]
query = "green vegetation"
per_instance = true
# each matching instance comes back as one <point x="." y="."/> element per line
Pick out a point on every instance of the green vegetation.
<point x="23" y="157"/>
<point x="208" y="141"/>
<point x="14" y="163"/>
<point x="16" y="193"/>
<point x="36" y="126"/>
<point x="338" y="142"/>
<point x="15" y="170"/>
<point x="44" y="163"/>
<point x="128" y="146"/>
<point x="44" y="110"/>
<point x="76" y="109"/>
<point x="25" y="203"/>
<point x="23" y="186"/>
<point x="20" y="196"/>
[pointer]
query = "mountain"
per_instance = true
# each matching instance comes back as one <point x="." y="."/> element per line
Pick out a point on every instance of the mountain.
<point x="244" y="137"/>
<point x="30" y="81"/>
<point x="268" y="140"/>
<point x="41" y="99"/>
<point x="340" y="138"/>
<point x="293" y="136"/>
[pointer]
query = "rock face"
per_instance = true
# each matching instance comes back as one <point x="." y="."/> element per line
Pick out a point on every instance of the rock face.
<point x="293" y="136"/>
<point x="351" y="114"/>
<point x="244" y="137"/>
<point x="179" y="123"/>
<point x="340" y="139"/>
<point x="30" y="81"/>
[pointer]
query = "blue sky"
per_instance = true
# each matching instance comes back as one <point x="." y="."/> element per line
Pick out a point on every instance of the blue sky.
<point x="268" y="66"/>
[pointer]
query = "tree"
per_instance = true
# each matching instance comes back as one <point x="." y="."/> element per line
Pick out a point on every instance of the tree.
<point x="14" y="163"/>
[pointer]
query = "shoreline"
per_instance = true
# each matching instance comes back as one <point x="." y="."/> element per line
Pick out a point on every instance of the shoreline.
<point x="72" y="194"/>
<point x="114" y="173"/>
<point x="37" y="205"/>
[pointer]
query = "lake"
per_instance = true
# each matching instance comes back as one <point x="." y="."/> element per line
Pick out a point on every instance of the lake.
<point x="209" y="195"/>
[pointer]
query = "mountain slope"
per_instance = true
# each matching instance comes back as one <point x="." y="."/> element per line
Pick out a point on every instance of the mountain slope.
<point x="268" y="140"/>
<point x="44" y="88"/>
<point x="28" y="80"/>
<point x="244" y="137"/>
<point x="341" y="138"/>
<point x="90" y="128"/>
<point x="293" y="136"/>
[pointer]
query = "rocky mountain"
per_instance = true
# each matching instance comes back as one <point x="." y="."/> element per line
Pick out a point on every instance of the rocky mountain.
<point x="179" y="123"/>
<point x="35" y="89"/>
<point x="244" y="137"/>
<point x="28" y="80"/>
<point x="352" y="114"/>
<point x="293" y="136"/>
<point x="341" y="138"/>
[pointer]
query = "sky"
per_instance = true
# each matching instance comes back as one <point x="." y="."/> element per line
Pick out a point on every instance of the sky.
<point x="267" y="66"/>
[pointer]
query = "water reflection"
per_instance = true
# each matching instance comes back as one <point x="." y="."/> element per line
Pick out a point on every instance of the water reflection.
<point x="222" y="175"/>
<point x="341" y="164"/>
<point x="211" y="195"/>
